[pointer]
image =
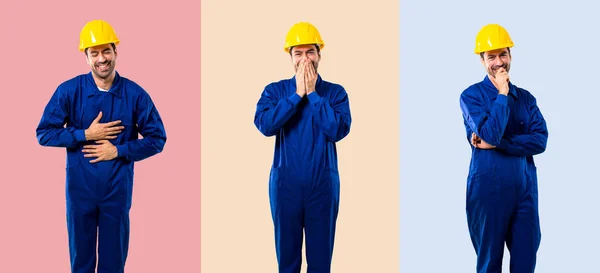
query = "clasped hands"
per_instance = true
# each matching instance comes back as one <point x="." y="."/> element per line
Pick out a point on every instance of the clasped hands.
<point x="477" y="142"/>
<point x="306" y="77"/>
<point x="103" y="150"/>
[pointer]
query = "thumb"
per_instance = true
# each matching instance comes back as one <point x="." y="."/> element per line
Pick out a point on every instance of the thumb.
<point x="97" y="119"/>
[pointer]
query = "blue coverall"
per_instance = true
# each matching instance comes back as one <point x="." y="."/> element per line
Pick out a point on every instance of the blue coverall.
<point x="99" y="194"/>
<point x="502" y="191"/>
<point x="304" y="182"/>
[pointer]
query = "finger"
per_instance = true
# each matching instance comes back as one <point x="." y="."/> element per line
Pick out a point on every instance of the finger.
<point x="90" y="146"/>
<point x="95" y="160"/>
<point x="102" y="141"/>
<point x="119" y="128"/>
<point x="97" y="119"/>
<point x="91" y="155"/>
<point x="113" y="132"/>
<point x="88" y="150"/>
<point x="110" y="137"/>
<point x="112" y="123"/>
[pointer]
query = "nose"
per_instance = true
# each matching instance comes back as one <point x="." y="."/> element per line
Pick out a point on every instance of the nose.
<point x="498" y="62"/>
<point x="101" y="58"/>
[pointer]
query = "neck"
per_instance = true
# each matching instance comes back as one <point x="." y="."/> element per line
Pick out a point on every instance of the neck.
<point x="492" y="79"/>
<point x="105" y="84"/>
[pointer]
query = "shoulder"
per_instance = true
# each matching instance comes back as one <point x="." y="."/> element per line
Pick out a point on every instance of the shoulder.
<point x="473" y="90"/>
<point x="133" y="88"/>
<point x="70" y="86"/>
<point x="334" y="86"/>
<point x="524" y="93"/>
<point x="279" y="84"/>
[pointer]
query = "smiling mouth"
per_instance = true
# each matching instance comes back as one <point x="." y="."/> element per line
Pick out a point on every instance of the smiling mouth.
<point x="103" y="66"/>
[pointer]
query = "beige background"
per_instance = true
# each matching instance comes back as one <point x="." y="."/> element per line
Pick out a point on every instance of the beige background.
<point x="242" y="51"/>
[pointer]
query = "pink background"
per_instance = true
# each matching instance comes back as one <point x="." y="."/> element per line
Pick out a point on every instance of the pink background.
<point x="160" y="50"/>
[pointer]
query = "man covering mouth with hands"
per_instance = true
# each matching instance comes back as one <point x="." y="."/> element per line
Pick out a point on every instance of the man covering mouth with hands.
<point x="307" y="116"/>
<point x="97" y="117"/>
<point x="505" y="129"/>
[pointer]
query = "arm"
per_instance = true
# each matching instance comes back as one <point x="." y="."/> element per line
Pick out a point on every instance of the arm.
<point x="271" y="114"/>
<point x="490" y="124"/>
<point x="51" y="131"/>
<point x="334" y="119"/>
<point x="530" y="144"/>
<point x="152" y="130"/>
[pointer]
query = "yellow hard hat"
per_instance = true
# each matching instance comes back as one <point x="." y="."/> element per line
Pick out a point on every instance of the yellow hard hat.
<point x="492" y="37"/>
<point x="303" y="33"/>
<point x="97" y="32"/>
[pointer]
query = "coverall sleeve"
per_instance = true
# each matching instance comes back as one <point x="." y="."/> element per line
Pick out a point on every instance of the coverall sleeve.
<point x="272" y="113"/>
<point x="51" y="129"/>
<point x="486" y="122"/>
<point x="333" y="118"/>
<point x="150" y="127"/>
<point x="528" y="144"/>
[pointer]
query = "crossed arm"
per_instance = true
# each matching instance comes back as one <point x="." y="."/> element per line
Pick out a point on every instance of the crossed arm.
<point x="490" y="124"/>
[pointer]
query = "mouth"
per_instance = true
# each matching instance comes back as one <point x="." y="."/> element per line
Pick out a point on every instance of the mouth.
<point x="103" y="66"/>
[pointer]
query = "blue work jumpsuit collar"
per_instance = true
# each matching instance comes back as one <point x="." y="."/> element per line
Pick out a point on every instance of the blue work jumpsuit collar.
<point x="115" y="88"/>
<point x="512" y="90"/>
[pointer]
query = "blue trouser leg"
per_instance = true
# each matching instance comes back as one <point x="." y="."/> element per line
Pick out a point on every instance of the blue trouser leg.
<point x="525" y="236"/>
<point x="82" y="220"/>
<point x="113" y="230"/>
<point x="490" y="204"/>
<point x="321" y="210"/>
<point x="82" y="230"/>
<point x="287" y="213"/>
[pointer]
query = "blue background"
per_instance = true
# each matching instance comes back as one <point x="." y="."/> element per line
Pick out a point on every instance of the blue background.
<point x="555" y="58"/>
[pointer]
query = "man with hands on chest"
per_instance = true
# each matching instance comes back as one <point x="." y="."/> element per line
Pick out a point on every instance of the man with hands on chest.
<point x="102" y="133"/>
<point x="308" y="116"/>
<point x="97" y="117"/>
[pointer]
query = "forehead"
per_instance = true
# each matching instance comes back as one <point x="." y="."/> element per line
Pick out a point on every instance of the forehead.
<point x="99" y="48"/>
<point x="304" y="48"/>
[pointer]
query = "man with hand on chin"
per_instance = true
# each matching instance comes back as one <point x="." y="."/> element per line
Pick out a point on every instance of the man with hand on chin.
<point x="103" y="113"/>
<point x="308" y="116"/>
<point x="505" y="129"/>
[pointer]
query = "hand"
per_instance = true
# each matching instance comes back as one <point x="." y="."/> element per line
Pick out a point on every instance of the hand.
<point x="480" y="143"/>
<point x="501" y="79"/>
<point x="103" y="151"/>
<point x="98" y="131"/>
<point x="311" y="77"/>
<point x="300" y="79"/>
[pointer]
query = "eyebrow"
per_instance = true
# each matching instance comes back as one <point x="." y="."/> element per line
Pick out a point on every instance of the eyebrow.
<point x="299" y="51"/>
<point x="103" y="50"/>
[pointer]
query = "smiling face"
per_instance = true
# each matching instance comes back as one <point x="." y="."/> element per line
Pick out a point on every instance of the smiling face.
<point x="102" y="60"/>
<point x="495" y="59"/>
<point x="302" y="52"/>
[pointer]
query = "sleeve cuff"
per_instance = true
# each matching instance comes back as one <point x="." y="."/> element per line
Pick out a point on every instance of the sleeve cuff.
<point x="295" y="99"/>
<point x="80" y="135"/>
<point x="503" y="143"/>
<point x="314" y="97"/>
<point x="122" y="151"/>
<point x="501" y="99"/>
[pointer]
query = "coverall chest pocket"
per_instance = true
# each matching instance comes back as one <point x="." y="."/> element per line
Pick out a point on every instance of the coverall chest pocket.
<point x="130" y="131"/>
<point x="126" y="115"/>
<point x="522" y="127"/>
